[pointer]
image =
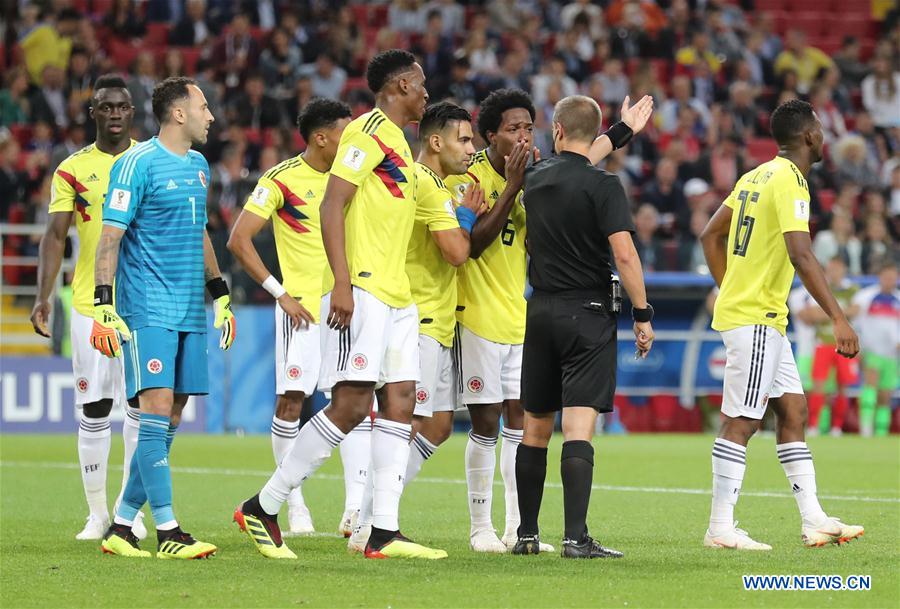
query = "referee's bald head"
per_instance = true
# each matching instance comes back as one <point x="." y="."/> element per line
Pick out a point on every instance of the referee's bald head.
<point x="579" y="116"/>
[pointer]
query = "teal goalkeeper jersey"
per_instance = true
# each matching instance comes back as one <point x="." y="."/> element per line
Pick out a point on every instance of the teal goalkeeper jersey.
<point x="159" y="199"/>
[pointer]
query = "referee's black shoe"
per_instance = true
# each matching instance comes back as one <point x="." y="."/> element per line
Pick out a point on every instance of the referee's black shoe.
<point x="529" y="544"/>
<point x="587" y="548"/>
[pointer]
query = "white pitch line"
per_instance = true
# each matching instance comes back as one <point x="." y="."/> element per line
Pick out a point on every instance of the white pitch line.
<point x="205" y="471"/>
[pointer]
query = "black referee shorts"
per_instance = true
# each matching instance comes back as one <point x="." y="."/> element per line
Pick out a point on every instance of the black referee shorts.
<point x="569" y="357"/>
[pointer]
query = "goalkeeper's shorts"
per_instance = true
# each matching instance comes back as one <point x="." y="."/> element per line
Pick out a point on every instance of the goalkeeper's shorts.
<point x="159" y="357"/>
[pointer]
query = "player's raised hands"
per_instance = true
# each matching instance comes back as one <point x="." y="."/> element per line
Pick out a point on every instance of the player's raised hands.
<point x="516" y="162"/>
<point x="845" y="338"/>
<point x="474" y="199"/>
<point x="636" y="116"/>
<point x="341" y="309"/>
<point x="300" y="317"/>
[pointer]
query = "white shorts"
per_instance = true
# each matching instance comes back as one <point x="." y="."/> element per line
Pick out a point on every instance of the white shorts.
<point x="381" y="346"/>
<point x="298" y="355"/>
<point x="436" y="392"/>
<point x="759" y="365"/>
<point x="97" y="377"/>
<point x="488" y="372"/>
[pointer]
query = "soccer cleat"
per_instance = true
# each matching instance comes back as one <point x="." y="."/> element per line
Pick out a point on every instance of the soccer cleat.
<point x="486" y="540"/>
<point x="359" y="538"/>
<point x="734" y="539"/>
<point x="138" y="528"/>
<point x="348" y="523"/>
<point x="94" y="528"/>
<point x="264" y="533"/>
<point x="299" y="521"/>
<point x="587" y="548"/>
<point x="179" y="545"/>
<point x="831" y="530"/>
<point x="511" y="537"/>
<point x="530" y="544"/>
<point x="401" y="547"/>
<point x="120" y="541"/>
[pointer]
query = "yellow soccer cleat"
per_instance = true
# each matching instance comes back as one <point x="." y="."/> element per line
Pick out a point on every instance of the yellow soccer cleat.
<point x="181" y="546"/>
<point x="401" y="547"/>
<point x="265" y="534"/>
<point x="120" y="541"/>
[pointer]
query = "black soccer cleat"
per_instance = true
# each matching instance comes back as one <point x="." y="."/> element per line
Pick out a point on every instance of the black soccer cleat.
<point x="587" y="548"/>
<point x="529" y="544"/>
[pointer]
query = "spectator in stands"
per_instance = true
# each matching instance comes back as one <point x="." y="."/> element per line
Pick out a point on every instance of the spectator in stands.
<point x="48" y="102"/>
<point x="461" y="87"/>
<point x="752" y="53"/>
<point x="79" y="80"/>
<point x="304" y="38"/>
<point x="647" y="244"/>
<point x="140" y="85"/>
<point x="723" y="164"/>
<point x="407" y="16"/>
<point x="512" y="73"/>
<point x="681" y="98"/>
<point x="847" y="60"/>
<point x="852" y="161"/>
<point x="280" y="64"/>
<point x="434" y="24"/>
<point x="644" y="13"/>
<point x="75" y="141"/>
<point x="894" y="204"/>
<point x="123" y="20"/>
<point x="303" y="92"/>
<point x="49" y="43"/>
<point x="677" y="32"/>
<point x="554" y="71"/>
<point x="772" y="44"/>
<point x="507" y="15"/>
<point x="453" y="16"/>
<point x="434" y="57"/>
<point x="615" y="82"/>
<point x="875" y="144"/>
<point x="594" y="15"/>
<point x="343" y="39"/>
<point x="13" y="182"/>
<point x="742" y="108"/>
<point x="665" y="192"/>
<point x="723" y="40"/>
<point x="881" y="93"/>
<point x="803" y="59"/>
<point x="690" y="252"/>
<point x="14" y="103"/>
<point x="878" y="247"/>
<point x="254" y="108"/>
<point x="481" y="55"/>
<point x="327" y="78"/>
<point x="630" y="37"/>
<point x="230" y="185"/>
<point x="194" y="28"/>
<point x="839" y="240"/>
<point x="833" y="125"/>
<point x="236" y="52"/>
<point x="697" y="52"/>
<point x="173" y="64"/>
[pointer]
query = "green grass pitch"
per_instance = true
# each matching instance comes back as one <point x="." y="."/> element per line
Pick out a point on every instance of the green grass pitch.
<point x="651" y="501"/>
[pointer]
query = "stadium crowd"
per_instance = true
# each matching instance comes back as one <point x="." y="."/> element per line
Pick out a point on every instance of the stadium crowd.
<point x="715" y="68"/>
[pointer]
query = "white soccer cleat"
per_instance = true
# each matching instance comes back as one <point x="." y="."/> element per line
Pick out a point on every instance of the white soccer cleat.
<point x="831" y="530"/>
<point x="299" y="521"/>
<point x="836" y="432"/>
<point x="486" y="540"/>
<point x="359" y="538"/>
<point x="94" y="528"/>
<point x="510" y="538"/>
<point x="138" y="528"/>
<point x="348" y="523"/>
<point x="734" y="539"/>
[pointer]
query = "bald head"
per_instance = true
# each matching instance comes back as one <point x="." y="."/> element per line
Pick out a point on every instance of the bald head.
<point x="579" y="116"/>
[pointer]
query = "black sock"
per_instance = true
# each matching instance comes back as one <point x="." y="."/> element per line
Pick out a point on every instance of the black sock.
<point x="577" y="469"/>
<point x="379" y="537"/>
<point x="531" y="470"/>
<point x="253" y="507"/>
<point x="162" y="535"/>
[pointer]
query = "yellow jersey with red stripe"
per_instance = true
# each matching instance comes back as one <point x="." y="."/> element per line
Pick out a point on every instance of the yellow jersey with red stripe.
<point x="290" y="193"/>
<point x="769" y="201"/>
<point x="79" y="185"/>
<point x="432" y="279"/>
<point x="492" y="287"/>
<point x="373" y="155"/>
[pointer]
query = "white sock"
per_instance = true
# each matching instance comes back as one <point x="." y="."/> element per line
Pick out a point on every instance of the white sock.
<point x="130" y="428"/>
<point x="729" y="461"/>
<point x="420" y="450"/>
<point x="94" y="440"/>
<point x="365" y="503"/>
<point x="390" y="454"/>
<point x="283" y="435"/>
<point x="801" y="473"/>
<point x="312" y="447"/>
<point x="356" y="452"/>
<point x="480" y="463"/>
<point x="508" y="447"/>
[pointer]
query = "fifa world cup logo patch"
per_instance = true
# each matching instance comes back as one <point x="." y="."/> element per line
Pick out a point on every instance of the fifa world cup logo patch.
<point x="294" y="372"/>
<point x="82" y="385"/>
<point x="421" y="395"/>
<point x="154" y="366"/>
<point x="475" y="384"/>
<point x="359" y="361"/>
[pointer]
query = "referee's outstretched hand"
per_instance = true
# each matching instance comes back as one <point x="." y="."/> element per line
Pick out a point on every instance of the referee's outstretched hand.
<point x="636" y="116"/>
<point x="643" y="331"/>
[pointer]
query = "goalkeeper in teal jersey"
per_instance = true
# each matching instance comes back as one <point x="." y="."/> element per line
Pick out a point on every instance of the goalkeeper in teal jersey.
<point x="154" y="242"/>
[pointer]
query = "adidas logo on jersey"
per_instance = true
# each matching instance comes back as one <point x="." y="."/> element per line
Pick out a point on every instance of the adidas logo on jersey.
<point x="310" y="193"/>
<point x="171" y="185"/>
<point x="92" y="178"/>
<point x="495" y="195"/>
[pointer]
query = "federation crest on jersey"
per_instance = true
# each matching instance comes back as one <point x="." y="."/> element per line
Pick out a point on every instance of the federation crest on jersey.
<point x="421" y="395"/>
<point x="82" y="385"/>
<point x="475" y="384"/>
<point x="154" y="366"/>
<point x="294" y="372"/>
<point x="359" y="361"/>
<point x="202" y="177"/>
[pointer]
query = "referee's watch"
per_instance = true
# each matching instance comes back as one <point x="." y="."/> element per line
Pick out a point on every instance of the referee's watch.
<point x="642" y="315"/>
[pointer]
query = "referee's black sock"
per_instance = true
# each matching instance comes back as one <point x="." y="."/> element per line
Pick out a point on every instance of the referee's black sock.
<point x="577" y="469"/>
<point x="531" y="470"/>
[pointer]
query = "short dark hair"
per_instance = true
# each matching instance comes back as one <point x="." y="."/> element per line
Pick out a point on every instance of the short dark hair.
<point x="491" y="109"/>
<point x="790" y="119"/>
<point x="385" y="65"/>
<point x="321" y="113"/>
<point x="579" y="116"/>
<point x="438" y="115"/>
<point x="168" y="92"/>
<point x="109" y="81"/>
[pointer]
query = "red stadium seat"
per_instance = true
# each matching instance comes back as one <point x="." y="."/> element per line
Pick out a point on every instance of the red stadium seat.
<point x="22" y="133"/>
<point x="157" y="34"/>
<point x="853" y="25"/>
<point x="770" y="5"/>
<point x="761" y="149"/>
<point x="814" y="24"/>
<point x="190" y="56"/>
<point x="813" y="6"/>
<point x="826" y="199"/>
<point x="123" y="53"/>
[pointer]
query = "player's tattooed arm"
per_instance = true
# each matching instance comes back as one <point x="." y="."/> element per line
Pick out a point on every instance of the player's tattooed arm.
<point x="107" y="259"/>
<point x="210" y="264"/>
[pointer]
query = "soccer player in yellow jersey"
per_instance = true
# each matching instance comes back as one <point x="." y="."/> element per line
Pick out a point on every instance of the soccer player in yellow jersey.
<point x="290" y="194"/>
<point x="753" y="244"/>
<point x="78" y="190"/>
<point x="371" y="343"/>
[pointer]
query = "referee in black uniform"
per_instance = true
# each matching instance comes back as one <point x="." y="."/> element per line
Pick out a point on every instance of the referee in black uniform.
<point x="578" y="220"/>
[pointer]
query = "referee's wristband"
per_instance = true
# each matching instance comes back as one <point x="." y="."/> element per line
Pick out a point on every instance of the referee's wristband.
<point x="466" y="218"/>
<point x="274" y="288"/>
<point x="619" y="134"/>
<point x="217" y="287"/>
<point x="103" y="295"/>
<point x="642" y="315"/>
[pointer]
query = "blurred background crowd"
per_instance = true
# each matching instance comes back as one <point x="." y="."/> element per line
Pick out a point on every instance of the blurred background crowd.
<point x="716" y="69"/>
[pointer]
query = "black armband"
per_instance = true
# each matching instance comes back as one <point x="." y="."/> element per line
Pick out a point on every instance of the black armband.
<point x="103" y="295"/>
<point x="642" y="315"/>
<point x="217" y="287"/>
<point x="619" y="134"/>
